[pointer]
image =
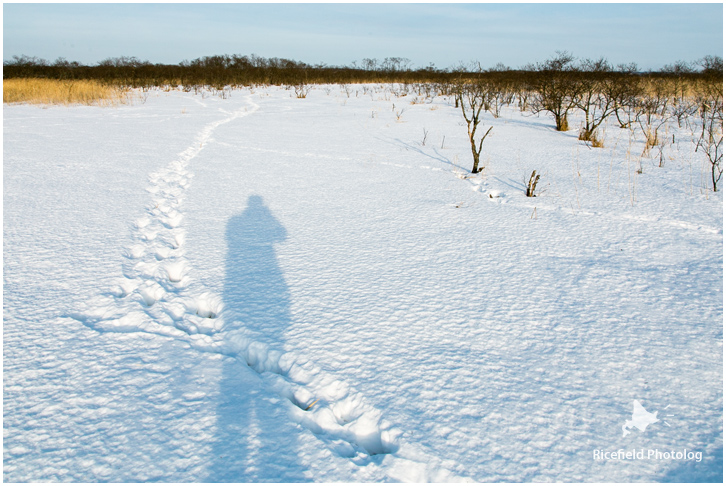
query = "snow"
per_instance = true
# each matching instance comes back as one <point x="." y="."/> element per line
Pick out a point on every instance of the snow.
<point x="265" y="288"/>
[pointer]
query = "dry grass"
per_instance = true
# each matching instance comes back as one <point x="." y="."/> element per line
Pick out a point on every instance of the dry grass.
<point x="563" y="125"/>
<point x="591" y="136"/>
<point x="55" y="92"/>
<point x="651" y="138"/>
<point x="596" y="141"/>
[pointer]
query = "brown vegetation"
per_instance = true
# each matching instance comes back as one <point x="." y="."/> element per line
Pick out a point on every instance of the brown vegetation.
<point x="57" y="92"/>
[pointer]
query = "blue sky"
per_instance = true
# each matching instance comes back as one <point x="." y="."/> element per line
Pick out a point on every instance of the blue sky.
<point x="444" y="34"/>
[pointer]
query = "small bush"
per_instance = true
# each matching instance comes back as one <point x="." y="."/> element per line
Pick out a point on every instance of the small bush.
<point x="302" y="90"/>
<point x="591" y="136"/>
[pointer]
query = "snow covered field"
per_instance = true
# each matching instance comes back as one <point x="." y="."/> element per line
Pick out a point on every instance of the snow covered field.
<point x="184" y="277"/>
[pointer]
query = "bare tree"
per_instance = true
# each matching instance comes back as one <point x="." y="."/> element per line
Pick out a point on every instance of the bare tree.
<point x="370" y="64"/>
<point x="683" y="108"/>
<point x="554" y="88"/>
<point x="590" y="96"/>
<point x="472" y="98"/>
<point x="498" y="94"/>
<point x="710" y="141"/>
<point x="651" y="112"/>
<point x="623" y="88"/>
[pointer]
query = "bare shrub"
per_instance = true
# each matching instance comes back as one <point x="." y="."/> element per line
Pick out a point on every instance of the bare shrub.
<point x="301" y="90"/>
<point x="554" y="88"/>
<point x="622" y="88"/>
<point x="710" y="140"/>
<point x="590" y="96"/>
<point x="471" y="98"/>
<point x="651" y="112"/>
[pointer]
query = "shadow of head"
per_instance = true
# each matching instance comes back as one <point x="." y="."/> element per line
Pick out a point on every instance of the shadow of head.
<point x="255" y="226"/>
<point x="256" y="295"/>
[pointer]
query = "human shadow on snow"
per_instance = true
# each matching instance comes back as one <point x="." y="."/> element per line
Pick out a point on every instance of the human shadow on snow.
<point x="253" y="441"/>
<point x="255" y="292"/>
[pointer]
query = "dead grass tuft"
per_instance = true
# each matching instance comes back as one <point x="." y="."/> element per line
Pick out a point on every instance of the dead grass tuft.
<point x="591" y="136"/>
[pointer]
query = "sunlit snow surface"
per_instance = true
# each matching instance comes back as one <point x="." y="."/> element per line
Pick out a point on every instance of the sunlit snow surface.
<point x="185" y="276"/>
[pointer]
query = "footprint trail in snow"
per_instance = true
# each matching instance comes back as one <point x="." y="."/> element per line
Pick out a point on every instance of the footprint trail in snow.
<point x="154" y="297"/>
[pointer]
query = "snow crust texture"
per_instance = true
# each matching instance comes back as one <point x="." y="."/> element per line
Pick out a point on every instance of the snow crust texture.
<point x="263" y="288"/>
<point x="153" y="297"/>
